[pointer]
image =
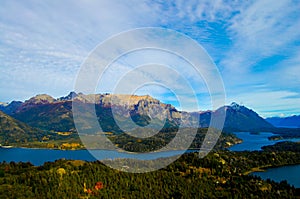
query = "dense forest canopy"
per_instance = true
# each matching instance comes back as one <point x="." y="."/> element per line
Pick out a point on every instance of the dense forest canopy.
<point x="220" y="174"/>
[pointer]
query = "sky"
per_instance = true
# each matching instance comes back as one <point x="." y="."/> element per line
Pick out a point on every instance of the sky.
<point x="255" y="46"/>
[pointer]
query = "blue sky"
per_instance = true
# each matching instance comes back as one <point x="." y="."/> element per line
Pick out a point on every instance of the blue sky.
<point x="255" y="44"/>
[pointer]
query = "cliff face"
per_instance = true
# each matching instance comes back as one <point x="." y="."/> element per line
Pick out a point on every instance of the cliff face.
<point x="45" y="112"/>
<point x="143" y="110"/>
<point x="130" y="105"/>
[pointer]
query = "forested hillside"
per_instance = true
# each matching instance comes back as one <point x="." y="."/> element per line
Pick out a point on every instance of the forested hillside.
<point x="220" y="174"/>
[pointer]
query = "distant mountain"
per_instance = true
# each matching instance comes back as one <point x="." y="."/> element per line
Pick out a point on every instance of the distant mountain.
<point x="68" y="97"/>
<point x="45" y="112"/>
<point x="39" y="99"/>
<point x="13" y="131"/>
<point x="290" y="122"/>
<point x="11" y="107"/>
<point x="238" y="118"/>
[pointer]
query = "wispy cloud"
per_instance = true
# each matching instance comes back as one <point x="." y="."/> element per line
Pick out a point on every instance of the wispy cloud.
<point x="255" y="44"/>
<point x="260" y="30"/>
<point x="43" y="43"/>
<point x="269" y="103"/>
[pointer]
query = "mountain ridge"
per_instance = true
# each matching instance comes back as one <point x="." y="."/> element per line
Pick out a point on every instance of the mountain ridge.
<point x="45" y="112"/>
<point x="12" y="130"/>
<point x="290" y="121"/>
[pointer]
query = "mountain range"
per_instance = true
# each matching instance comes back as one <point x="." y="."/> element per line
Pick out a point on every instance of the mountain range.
<point x="290" y="122"/>
<point x="50" y="114"/>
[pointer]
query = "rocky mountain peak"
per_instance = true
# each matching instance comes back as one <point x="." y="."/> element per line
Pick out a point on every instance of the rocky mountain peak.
<point x="71" y="96"/>
<point x="116" y="99"/>
<point x="142" y="109"/>
<point x="40" y="99"/>
<point x="235" y="105"/>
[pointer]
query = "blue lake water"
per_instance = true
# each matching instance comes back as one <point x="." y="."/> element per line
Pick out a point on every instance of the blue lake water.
<point x="40" y="156"/>
<point x="252" y="142"/>
<point x="290" y="173"/>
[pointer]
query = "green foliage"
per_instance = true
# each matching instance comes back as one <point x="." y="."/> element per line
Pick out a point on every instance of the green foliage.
<point x="285" y="133"/>
<point x="14" y="131"/>
<point x="220" y="174"/>
<point x="166" y="135"/>
<point x="283" y="146"/>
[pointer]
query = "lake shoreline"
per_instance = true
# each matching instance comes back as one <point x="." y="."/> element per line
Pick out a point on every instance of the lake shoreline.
<point x="278" y="174"/>
<point x="255" y="141"/>
<point x="87" y="149"/>
<point x="265" y="168"/>
<point x="99" y="149"/>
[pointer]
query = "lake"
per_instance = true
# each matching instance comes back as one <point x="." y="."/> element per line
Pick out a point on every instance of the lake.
<point x="252" y="142"/>
<point x="40" y="156"/>
<point x="291" y="173"/>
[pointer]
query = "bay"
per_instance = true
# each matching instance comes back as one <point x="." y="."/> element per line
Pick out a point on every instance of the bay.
<point x="254" y="142"/>
<point x="290" y="173"/>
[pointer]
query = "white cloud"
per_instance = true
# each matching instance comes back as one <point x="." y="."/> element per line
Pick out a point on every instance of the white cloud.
<point x="268" y="103"/>
<point x="43" y="43"/>
<point x="260" y="30"/>
<point x="288" y="74"/>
